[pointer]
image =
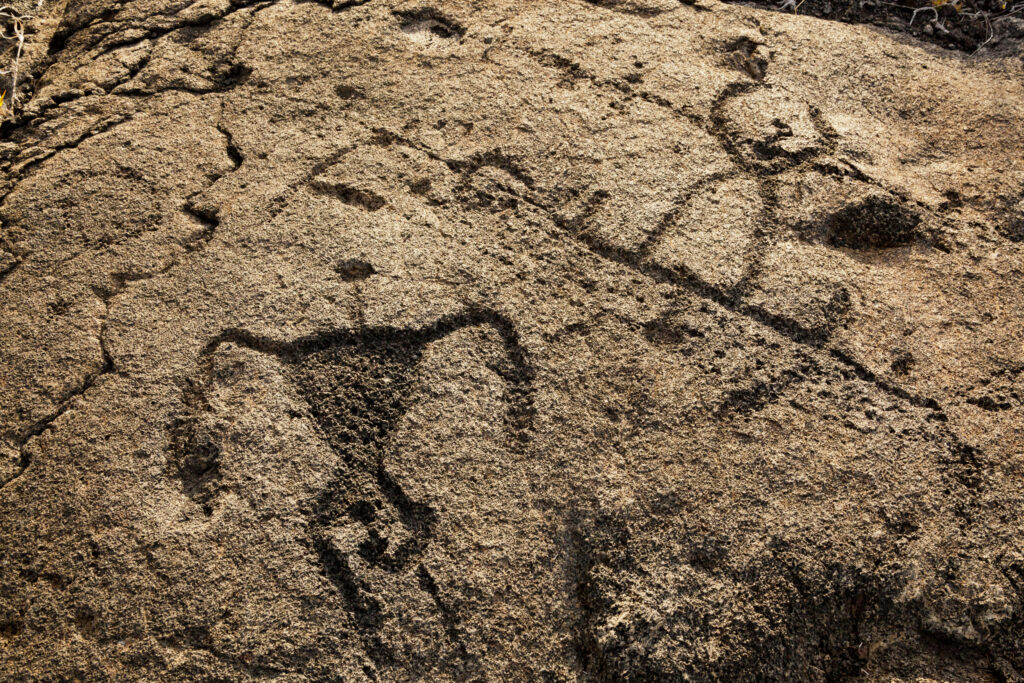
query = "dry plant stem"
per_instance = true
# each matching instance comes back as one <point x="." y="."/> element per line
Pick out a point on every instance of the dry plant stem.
<point x="17" y="35"/>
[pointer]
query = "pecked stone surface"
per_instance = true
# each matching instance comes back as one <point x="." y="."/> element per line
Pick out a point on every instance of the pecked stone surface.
<point x="620" y="340"/>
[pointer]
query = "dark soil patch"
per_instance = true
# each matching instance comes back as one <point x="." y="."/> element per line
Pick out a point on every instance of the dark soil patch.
<point x="965" y="25"/>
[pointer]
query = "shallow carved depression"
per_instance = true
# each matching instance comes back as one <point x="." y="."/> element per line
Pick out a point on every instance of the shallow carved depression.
<point x="426" y="24"/>
<point x="357" y="387"/>
<point x="356" y="392"/>
<point x="872" y="223"/>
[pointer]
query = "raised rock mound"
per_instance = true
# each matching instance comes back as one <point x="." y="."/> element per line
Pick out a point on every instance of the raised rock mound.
<point x="559" y="341"/>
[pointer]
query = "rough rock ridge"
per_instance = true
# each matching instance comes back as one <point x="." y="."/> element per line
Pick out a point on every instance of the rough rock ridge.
<point x="563" y="341"/>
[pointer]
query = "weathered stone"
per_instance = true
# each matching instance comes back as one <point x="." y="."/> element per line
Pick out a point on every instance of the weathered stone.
<point x="567" y="341"/>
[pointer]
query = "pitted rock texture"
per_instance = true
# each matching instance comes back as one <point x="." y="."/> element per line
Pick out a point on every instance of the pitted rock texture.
<point x="562" y="341"/>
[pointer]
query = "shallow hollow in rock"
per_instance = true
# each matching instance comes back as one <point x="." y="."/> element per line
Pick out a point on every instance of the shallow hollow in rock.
<point x="875" y="222"/>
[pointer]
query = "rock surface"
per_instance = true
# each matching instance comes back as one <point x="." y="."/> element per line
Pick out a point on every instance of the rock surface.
<point x="563" y="341"/>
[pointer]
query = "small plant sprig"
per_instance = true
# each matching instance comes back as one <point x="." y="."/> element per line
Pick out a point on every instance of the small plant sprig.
<point x="943" y="12"/>
<point x="12" y="30"/>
